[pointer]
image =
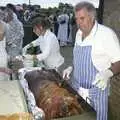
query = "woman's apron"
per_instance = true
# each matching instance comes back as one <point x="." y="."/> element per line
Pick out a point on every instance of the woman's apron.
<point x="84" y="75"/>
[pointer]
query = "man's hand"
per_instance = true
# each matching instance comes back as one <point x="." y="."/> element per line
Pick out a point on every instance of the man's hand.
<point x="84" y="93"/>
<point x="102" y="79"/>
<point x="67" y="72"/>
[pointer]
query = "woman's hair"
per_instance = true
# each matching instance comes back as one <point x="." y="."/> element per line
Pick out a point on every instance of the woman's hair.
<point x="88" y="6"/>
<point x="12" y="7"/>
<point x="2" y="15"/>
<point x="43" y="21"/>
<point x="8" y="15"/>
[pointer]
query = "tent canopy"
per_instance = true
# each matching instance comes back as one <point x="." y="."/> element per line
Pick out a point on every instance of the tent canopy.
<point x="47" y="3"/>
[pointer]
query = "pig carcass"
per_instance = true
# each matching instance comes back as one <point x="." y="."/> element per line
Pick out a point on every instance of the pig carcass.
<point x="55" y="100"/>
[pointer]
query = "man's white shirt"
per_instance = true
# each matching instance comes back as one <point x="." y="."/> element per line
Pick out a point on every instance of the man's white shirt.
<point x="105" y="46"/>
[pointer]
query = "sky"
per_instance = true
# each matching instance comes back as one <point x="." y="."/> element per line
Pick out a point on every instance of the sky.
<point x="46" y="3"/>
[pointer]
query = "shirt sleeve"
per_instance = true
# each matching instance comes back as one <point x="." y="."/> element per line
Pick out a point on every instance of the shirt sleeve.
<point x="112" y="47"/>
<point x="105" y="48"/>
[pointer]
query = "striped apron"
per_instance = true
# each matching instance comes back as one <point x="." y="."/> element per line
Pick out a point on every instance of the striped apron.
<point x="84" y="75"/>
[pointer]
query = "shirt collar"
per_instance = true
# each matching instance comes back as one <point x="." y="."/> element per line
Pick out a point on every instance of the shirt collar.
<point x="90" y="37"/>
<point x="46" y="32"/>
<point x="94" y="29"/>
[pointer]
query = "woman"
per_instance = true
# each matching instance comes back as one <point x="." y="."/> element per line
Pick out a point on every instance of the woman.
<point x="14" y="40"/>
<point x="15" y="34"/>
<point x="4" y="71"/>
<point x="48" y="43"/>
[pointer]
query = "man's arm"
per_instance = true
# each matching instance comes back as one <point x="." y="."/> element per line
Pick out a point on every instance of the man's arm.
<point x="102" y="78"/>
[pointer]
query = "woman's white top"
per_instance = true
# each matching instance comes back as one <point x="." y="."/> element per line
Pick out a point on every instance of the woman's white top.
<point x="50" y="49"/>
<point x="3" y="57"/>
<point x="105" y="46"/>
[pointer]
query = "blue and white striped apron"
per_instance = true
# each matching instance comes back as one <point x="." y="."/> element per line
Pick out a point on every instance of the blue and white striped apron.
<point x="84" y="75"/>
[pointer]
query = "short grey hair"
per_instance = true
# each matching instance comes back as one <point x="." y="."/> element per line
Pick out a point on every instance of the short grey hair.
<point x="88" y="6"/>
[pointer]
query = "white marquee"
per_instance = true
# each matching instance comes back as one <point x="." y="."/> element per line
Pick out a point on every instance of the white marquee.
<point x="47" y="3"/>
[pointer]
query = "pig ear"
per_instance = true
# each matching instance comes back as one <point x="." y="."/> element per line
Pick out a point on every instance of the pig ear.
<point x="28" y="75"/>
<point x="43" y="68"/>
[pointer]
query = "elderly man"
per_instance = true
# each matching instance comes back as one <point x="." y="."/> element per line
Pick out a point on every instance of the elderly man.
<point x="96" y="58"/>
